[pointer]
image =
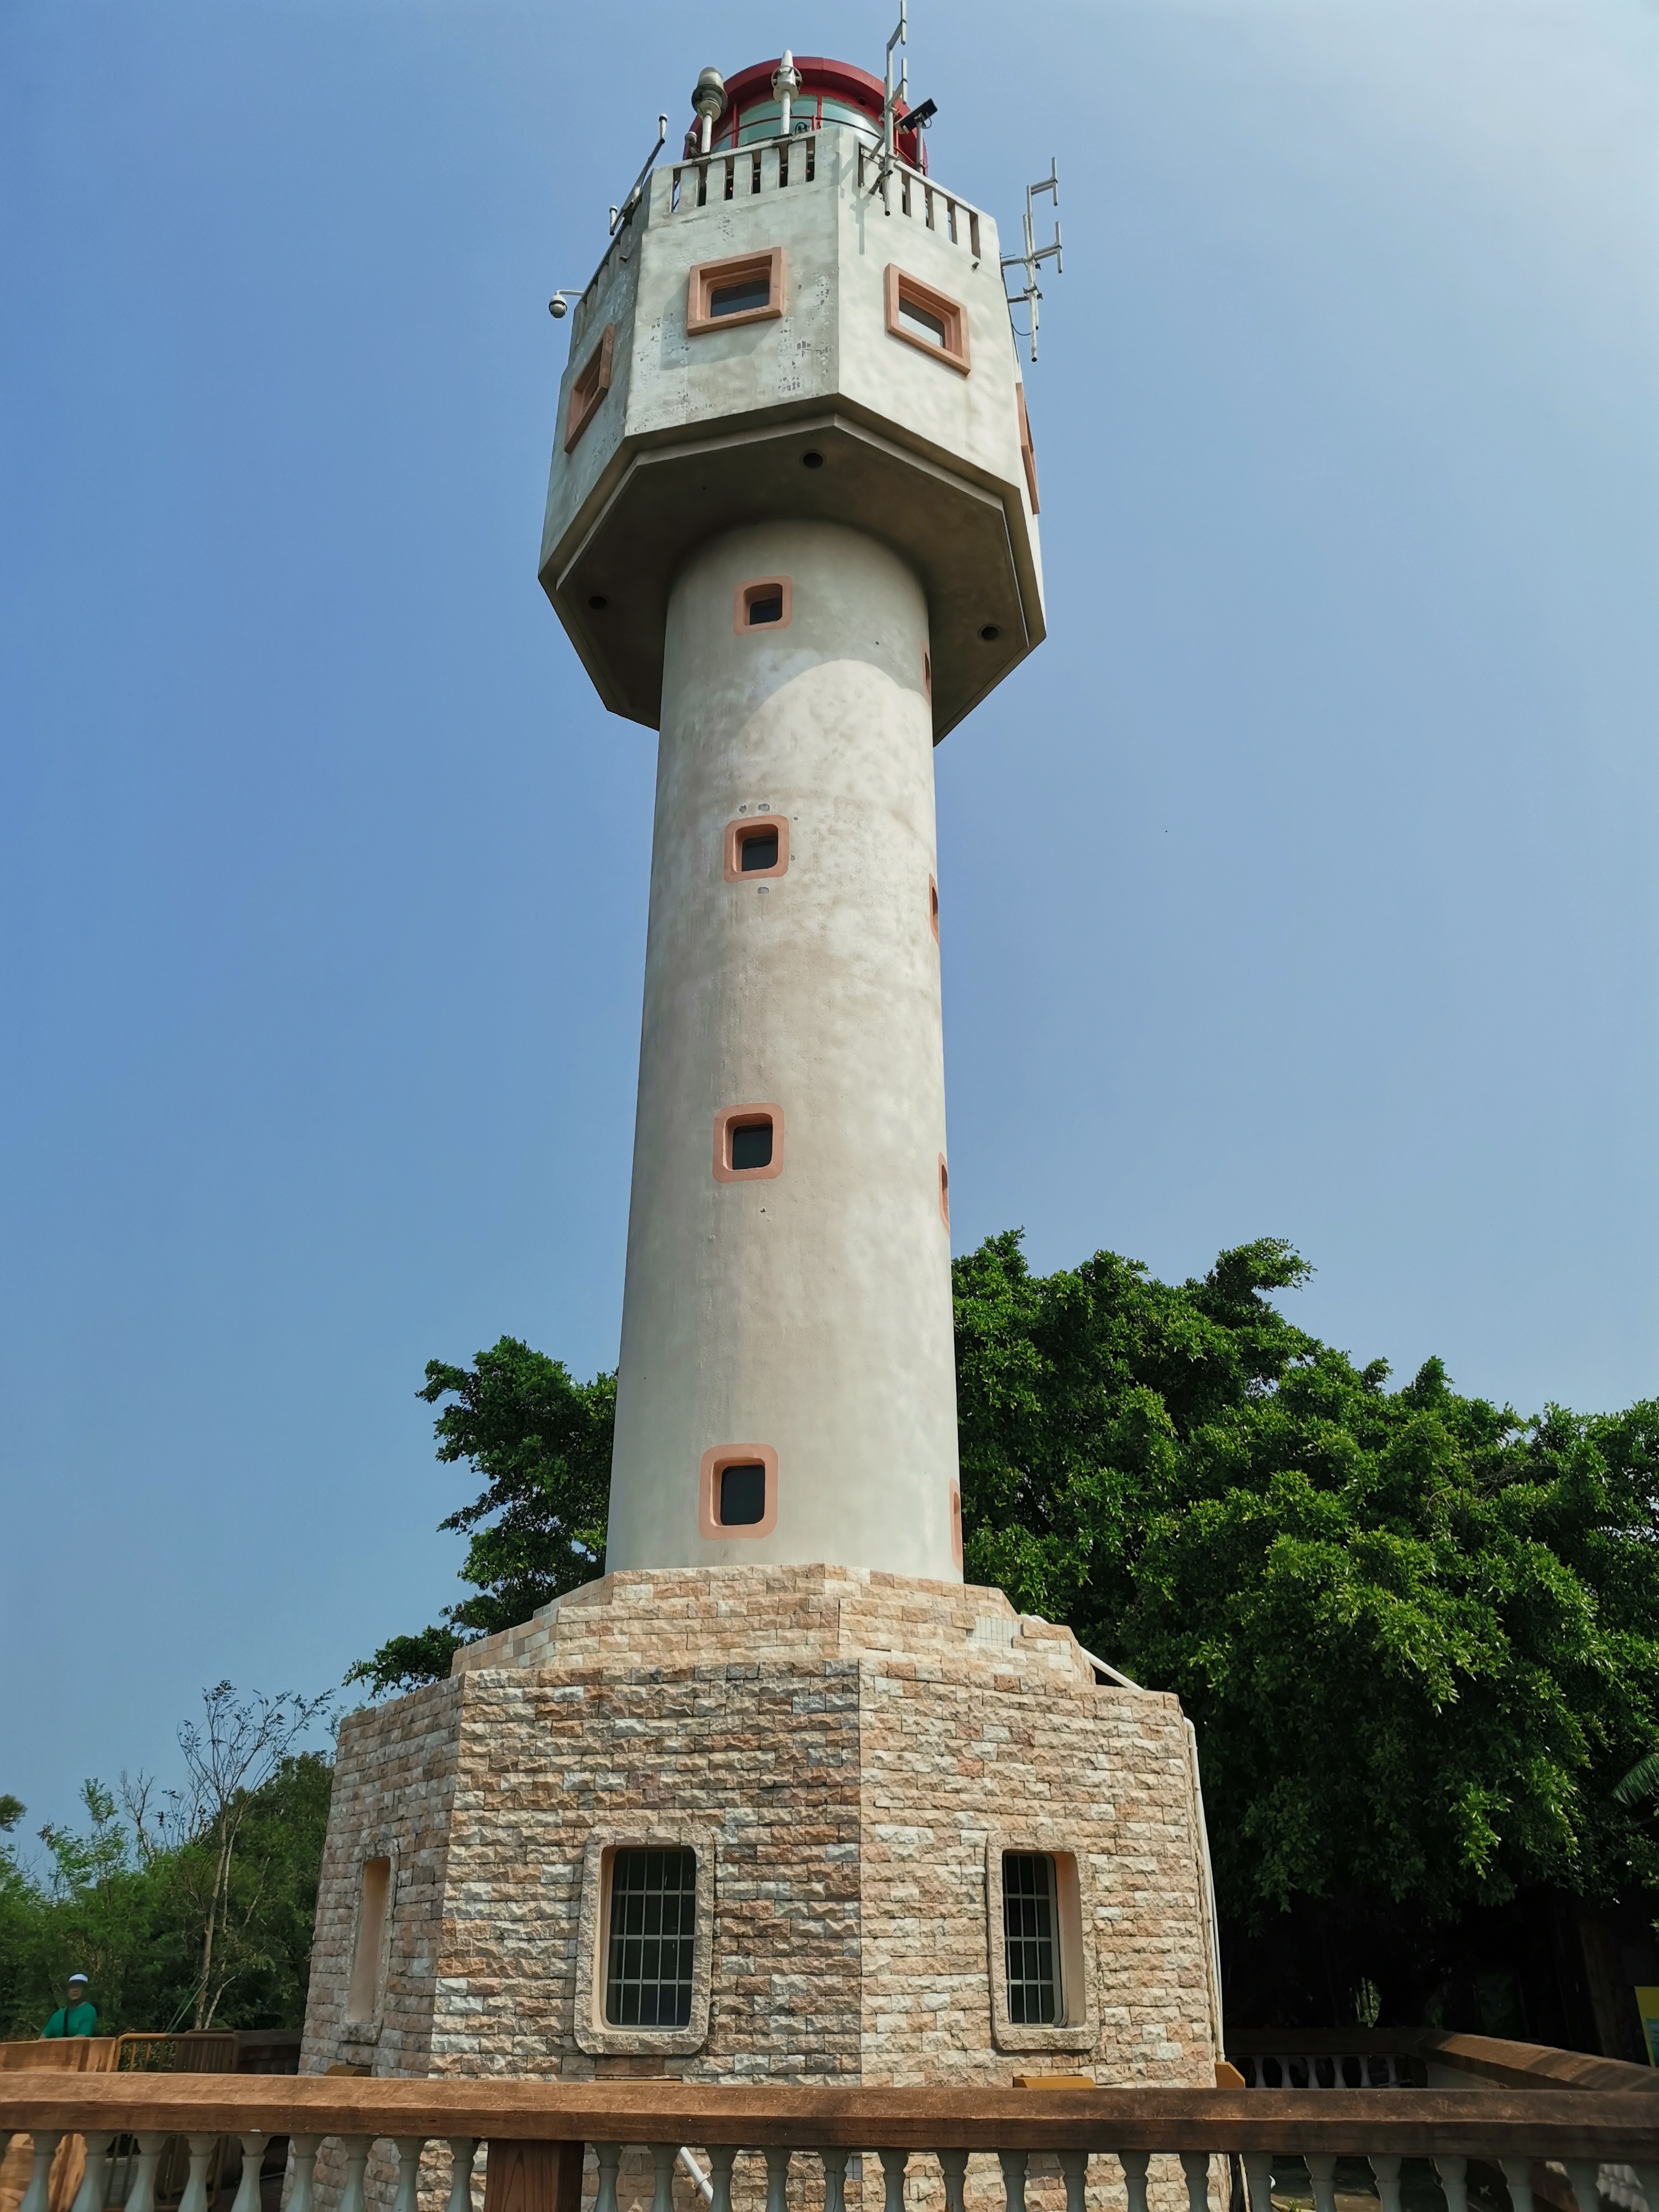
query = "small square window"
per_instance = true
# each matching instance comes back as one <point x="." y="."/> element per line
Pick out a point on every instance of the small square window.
<point x="743" y="1494"/>
<point x="932" y="321"/>
<point x="748" y="1143"/>
<point x="653" y="1917"/>
<point x="721" y="296"/>
<point x="751" y="1145"/>
<point x="590" y="388"/>
<point x="765" y="603"/>
<point x="738" y="1492"/>
<point x="757" y="847"/>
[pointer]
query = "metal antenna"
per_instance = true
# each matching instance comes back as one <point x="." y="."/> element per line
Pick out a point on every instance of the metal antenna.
<point x="1033" y="256"/>
<point x="894" y="93"/>
<point x="631" y="198"/>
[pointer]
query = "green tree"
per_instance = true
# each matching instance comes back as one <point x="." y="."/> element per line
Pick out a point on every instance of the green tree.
<point x="542" y="1442"/>
<point x="132" y="1913"/>
<point x="1416" y="1632"/>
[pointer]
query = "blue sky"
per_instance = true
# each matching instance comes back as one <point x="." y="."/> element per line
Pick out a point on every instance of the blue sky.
<point x="1302" y="884"/>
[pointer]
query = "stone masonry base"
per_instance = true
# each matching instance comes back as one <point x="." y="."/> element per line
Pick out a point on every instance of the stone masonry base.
<point x="849" y="1754"/>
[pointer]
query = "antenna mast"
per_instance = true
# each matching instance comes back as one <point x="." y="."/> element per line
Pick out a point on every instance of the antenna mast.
<point x="894" y="93"/>
<point x="1033" y="257"/>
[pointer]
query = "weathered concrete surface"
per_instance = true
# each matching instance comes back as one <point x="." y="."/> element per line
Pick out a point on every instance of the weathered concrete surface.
<point x="809" y="1312"/>
<point x="699" y="432"/>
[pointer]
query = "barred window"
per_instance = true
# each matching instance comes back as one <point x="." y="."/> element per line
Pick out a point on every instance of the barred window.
<point x="653" y="1910"/>
<point x="1030" y="1934"/>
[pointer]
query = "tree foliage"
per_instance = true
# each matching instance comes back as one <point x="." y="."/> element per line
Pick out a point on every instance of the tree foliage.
<point x="1418" y="1634"/>
<point x="119" y="1900"/>
<point x="542" y="1443"/>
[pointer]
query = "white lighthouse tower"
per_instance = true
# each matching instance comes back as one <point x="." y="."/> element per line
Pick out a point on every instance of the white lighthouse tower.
<point x="779" y="1797"/>
<point x="792" y="523"/>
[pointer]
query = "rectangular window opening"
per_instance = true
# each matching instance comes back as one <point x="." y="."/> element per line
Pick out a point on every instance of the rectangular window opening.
<point x="702" y="183"/>
<point x="928" y="319"/>
<point x="758" y="850"/>
<point x="742" y="1495"/>
<point x="811" y="160"/>
<point x="731" y="179"/>
<point x="923" y="320"/>
<point x="1031" y="1938"/>
<point x="751" y="1145"/>
<point x="741" y="288"/>
<point x="363" y="1988"/>
<point x="763" y="604"/>
<point x="653" y="1911"/>
<point x="783" y="165"/>
<point x="737" y="299"/>
<point x="754" y="175"/>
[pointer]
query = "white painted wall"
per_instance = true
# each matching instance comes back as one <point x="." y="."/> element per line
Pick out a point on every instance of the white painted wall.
<point x="810" y="1311"/>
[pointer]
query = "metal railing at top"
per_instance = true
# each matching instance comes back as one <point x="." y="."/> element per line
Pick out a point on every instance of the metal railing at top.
<point x="542" y="2135"/>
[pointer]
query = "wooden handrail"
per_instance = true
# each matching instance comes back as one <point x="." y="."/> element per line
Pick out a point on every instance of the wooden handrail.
<point x="1540" y="2123"/>
<point x="1488" y="2057"/>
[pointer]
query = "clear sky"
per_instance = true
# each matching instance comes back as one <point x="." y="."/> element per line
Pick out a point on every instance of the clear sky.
<point x="1303" y="883"/>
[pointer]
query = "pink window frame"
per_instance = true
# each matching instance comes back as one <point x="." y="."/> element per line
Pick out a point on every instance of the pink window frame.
<point x="771" y="262"/>
<point x="757" y="1110"/>
<point x="900" y="284"/>
<point x="711" y="1465"/>
<point x="735" y="838"/>
<point x="589" y="387"/>
<point x="752" y="589"/>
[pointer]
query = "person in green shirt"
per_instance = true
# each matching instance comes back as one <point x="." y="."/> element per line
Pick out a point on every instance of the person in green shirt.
<point x="74" y="2017"/>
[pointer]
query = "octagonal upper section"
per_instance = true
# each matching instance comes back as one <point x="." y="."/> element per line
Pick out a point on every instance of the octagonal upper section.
<point x="848" y="358"/>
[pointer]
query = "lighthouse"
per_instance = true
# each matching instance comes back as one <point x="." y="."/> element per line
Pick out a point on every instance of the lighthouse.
<point x="779" y="1797"/>
<point x="791" y="524"/>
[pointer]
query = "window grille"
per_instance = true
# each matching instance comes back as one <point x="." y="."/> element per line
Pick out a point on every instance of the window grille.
<point x="1030" y="1934"/>
<point x="653" y="1909"/>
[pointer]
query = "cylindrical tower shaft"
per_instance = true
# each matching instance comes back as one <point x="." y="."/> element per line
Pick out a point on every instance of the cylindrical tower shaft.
<point x="786" y="1389"/>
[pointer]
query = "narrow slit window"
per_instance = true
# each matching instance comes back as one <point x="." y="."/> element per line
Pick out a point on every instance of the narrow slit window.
<point x="362" y="1990"/>
<point x="932" y="923"/>
<point x="944" y="1192"/>
<point x="759" y="849"/>
<point x="653" y="1913"/>
<point x="1031" y="1938"/>
<point x="590" y="386"/>
<point x="751" y="1145"/>
<point x="742" y="1495"/>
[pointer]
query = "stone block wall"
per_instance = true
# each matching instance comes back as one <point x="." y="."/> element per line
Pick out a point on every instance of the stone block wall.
<point x="846" y="1747"/>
